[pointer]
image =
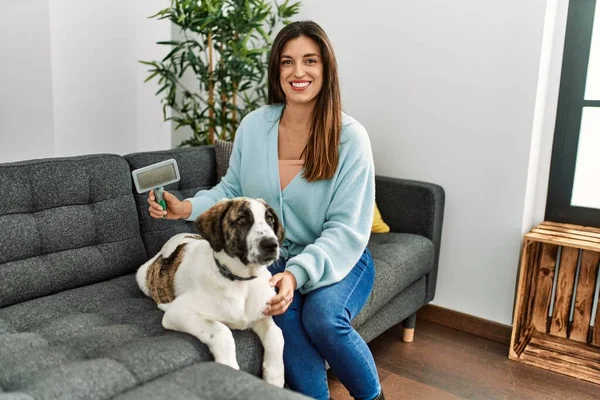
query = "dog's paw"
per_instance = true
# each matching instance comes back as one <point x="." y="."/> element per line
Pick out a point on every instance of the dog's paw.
<point x="274" y="375"/>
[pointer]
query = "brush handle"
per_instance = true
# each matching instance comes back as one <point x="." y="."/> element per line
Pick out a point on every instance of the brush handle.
<point x="158" y="193"/>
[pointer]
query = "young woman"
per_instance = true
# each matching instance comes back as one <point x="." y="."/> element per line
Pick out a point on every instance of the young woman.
<point x="313" y="164"/>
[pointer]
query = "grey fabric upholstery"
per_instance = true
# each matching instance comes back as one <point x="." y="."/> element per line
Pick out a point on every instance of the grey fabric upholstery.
<point x="223" y="150"/>
<point x="207" y="381"/>
<point x="66" y="222"/>
<point x="400" y="259"/>
<point x="107" y="335"/>
<point x="400" y="307"/>
<point x="197" y="167"/>
<point x="414" y="207"/>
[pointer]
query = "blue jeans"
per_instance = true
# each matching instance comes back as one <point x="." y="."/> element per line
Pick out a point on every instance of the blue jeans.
<point x="316" y="327"/>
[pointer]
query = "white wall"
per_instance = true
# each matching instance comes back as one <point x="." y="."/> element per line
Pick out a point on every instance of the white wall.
<point x="71" y="79"/>
<point x="26" y="120"/>
<point x="100" y="101"/>
<point x="545" y="113"/>
<point x="189" y="81"/>
<point x="152" y="132"/>
<point x="447" y="91"/>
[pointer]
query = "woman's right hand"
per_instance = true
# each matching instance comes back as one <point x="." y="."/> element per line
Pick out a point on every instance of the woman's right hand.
<point x="176" y="209"/>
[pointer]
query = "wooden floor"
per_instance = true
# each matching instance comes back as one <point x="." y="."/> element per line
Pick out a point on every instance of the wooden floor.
<point x="443" y="363"/>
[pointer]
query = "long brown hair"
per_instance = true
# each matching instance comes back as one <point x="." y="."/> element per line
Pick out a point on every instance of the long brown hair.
<point x="321" y="155"/>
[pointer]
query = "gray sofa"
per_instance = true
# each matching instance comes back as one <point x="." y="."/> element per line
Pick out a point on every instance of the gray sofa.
<point x="73" y="323"/>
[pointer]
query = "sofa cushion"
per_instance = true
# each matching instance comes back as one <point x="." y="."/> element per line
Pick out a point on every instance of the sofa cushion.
<point x="379" y="225"/>
<point x="396" y="310"/>
<point x="208" y="381"/>
<point x="104" y="338"/>
<point x="197" y="168"/>
<point x="223" y="150"/>
<point x="66" y="222"/>
<point x="400" y="259"/>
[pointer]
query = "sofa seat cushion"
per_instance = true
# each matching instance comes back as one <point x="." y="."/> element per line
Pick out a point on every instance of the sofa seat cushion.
<point x="400" y="259"/>
<point x="102" y="339"/>
<point x="208" y="380"/>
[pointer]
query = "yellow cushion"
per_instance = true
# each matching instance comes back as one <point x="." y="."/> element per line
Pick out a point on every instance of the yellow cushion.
<point x="379" y="225"/>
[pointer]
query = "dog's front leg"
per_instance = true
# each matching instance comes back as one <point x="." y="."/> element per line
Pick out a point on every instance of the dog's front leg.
<point x="271" y="338"/>
<point x="215" y="335"/>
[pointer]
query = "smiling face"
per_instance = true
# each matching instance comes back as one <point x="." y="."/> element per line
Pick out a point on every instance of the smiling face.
<point x="301" y="71"/>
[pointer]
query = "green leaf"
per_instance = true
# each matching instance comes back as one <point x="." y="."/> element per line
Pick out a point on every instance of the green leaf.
<point x="161" y="13"/>
<point x="152" y="75"/>
<point x="171" y="53"/>
<point x="170" y="42"/>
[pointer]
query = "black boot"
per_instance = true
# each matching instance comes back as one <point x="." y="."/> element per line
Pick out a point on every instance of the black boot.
<point x="380" y="397"/>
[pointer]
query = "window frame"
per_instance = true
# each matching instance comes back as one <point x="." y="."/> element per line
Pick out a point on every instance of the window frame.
<point x="578" y="37"/>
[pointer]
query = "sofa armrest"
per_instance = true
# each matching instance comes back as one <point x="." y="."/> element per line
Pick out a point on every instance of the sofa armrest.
<point x="413" y="207"/>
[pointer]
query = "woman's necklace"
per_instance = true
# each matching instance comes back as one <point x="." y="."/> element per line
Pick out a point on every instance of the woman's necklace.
<point x="292" y="138"/>
<point x="288" y="139"/>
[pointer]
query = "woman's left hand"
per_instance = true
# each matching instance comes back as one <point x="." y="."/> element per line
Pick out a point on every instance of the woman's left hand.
<point x="286" y="283"/>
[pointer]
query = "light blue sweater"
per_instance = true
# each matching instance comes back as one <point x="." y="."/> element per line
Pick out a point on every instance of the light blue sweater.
<point x="327" y="222"/>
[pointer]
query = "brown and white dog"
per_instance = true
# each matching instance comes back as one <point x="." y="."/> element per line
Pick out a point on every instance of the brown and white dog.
<point x="210" y="283"/>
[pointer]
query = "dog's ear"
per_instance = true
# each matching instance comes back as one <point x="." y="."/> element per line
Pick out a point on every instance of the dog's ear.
<point x="277" y="225"/>
<point x="210" y="224"/>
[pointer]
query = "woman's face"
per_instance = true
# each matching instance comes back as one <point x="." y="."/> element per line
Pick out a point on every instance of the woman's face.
<point x="301" y="70"/>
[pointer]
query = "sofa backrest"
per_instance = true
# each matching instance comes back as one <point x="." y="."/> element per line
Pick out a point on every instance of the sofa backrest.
<point x="197" y="167"/>
<point x="65" y="223"/>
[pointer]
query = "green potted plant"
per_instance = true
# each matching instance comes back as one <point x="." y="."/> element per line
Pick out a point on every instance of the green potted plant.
<point x="225" y="45"/>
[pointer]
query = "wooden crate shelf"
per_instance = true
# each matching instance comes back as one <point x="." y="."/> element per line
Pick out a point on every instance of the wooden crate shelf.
<point x="556" y="322"/>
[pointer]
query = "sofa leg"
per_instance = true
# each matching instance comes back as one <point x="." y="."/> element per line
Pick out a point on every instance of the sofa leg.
<point x="408" y="333"/>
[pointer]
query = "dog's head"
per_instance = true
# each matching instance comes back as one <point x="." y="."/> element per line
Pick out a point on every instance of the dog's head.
<point x="244" y="228"/>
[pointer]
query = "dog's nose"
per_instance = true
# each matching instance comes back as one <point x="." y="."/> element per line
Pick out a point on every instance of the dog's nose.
<point x="268" y="245"/>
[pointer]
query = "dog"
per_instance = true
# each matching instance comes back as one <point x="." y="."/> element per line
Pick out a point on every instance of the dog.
<point x="211" y="283"/>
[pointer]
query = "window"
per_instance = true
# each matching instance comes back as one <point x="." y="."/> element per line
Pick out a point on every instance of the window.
<point x="574" y="186"/>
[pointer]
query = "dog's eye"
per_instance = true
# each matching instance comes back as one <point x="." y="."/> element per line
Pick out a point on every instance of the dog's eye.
<point x="240" y="221"/>
<point x="270" y="219"/>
